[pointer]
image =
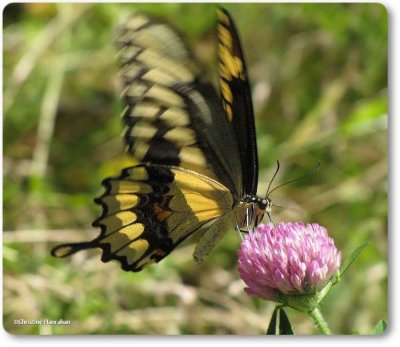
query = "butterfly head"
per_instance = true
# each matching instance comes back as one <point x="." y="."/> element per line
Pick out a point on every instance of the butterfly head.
<point x="251" y="211"/>
<point x="263" y="204"/>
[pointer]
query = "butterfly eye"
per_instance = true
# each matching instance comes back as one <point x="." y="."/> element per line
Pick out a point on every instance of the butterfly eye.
<point x="263" y="204"/>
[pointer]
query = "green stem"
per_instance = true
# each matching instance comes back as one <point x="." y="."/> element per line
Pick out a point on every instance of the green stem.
<point x="319" y="320"/>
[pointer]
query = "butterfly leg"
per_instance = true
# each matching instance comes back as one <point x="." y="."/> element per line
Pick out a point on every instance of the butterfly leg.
<point x="270" y="218"/>
<point x="247" y="217"/>
<point x="239" y="232"/>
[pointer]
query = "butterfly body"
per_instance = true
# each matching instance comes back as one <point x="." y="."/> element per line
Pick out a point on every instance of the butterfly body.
<point x="199" y="169"/>
<point x="250" y="211"/>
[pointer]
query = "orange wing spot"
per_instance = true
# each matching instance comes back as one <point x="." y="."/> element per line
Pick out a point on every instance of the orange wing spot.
<point x="160" y="213"/>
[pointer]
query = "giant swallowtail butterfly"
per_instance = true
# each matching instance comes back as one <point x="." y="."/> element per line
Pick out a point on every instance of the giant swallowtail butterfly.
<point x="199" y="168"/>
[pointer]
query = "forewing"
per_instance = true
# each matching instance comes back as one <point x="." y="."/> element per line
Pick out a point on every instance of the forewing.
<point x="236" y="98"/>
<point x="173" y="116"/>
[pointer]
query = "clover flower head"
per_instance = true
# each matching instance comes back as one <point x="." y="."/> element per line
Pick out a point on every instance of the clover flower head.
<point x="291" y="258"/>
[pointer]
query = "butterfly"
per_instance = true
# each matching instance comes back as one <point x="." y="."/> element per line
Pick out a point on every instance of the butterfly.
<point x="197" y="149"/>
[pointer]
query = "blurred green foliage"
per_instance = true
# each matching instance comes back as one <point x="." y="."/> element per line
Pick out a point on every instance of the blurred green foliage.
<point x="319" y="80"/>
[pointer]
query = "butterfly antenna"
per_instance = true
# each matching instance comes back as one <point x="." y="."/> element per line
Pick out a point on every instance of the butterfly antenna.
<point x="273" y="177"/>
<point x="295" y="209"/>
<point x="296" y="179"/>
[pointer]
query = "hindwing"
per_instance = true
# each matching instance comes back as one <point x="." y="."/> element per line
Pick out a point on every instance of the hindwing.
<point x="149" y="209"/>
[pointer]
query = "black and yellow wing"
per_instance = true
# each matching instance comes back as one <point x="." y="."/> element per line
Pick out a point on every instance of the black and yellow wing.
<point x="173" y="115"/>
<point x="194" y="170"/>
<point x="149" y="209"/>
<point x="236" y="98"/>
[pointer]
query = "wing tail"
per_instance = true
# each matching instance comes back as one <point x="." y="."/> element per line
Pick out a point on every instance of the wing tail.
<point x="67" y="249"/>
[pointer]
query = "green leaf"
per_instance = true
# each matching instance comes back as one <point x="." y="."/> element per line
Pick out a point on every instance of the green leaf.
<point x="351" y="259"/>
<point x="285" y="328"/>
<point x="380" y="328"/>
<point x="272" y="324"/>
